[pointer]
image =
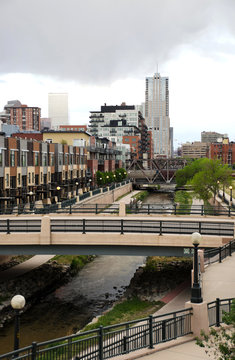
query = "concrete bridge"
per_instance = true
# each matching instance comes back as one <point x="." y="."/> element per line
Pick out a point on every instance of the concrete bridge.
<point x="110" y="236"/>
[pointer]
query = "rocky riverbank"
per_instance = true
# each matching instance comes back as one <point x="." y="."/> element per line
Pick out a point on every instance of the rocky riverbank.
<point x="34" y="285"/>
<point x="159" y="276"/>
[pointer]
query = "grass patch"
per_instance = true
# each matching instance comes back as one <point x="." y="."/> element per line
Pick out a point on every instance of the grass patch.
<point x="141" y="195"/>
<point x="126" y="311"/>
<point x="184" y="199"/>
<point x="76" y="262"/>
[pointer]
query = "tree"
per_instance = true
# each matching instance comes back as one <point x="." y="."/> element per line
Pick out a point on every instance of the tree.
<point x="206" y="177"/>
<point x="100" y="178"/>
<point x="221" y="342"/>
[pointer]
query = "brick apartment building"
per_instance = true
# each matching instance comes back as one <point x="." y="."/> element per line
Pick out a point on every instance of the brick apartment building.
<point x="26" y="117"/>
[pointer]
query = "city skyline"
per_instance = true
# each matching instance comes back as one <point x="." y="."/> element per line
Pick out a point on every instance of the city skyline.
<point x="192" y="43"/>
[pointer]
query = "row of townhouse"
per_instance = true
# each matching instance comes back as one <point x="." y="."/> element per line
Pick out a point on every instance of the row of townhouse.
<point x="40" y="171"/>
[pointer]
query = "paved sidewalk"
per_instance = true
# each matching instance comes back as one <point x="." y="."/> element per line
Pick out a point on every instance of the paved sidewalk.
<point x="24" y="267"/>
<point x="218" y="281"/>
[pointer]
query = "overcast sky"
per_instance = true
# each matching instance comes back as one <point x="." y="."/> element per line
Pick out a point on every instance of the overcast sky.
<point x="101" y="51"/>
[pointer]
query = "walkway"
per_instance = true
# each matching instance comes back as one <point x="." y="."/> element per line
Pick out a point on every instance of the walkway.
<point x="218" y="281"/>
<point x="24" y="267"/>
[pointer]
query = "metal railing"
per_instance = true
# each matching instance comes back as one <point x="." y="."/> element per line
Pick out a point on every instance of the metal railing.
<point x="216" y="309"/>
<point x="95" y="209"/>
<point x="218" y="254"/>
<point x="84" y="196"/>
<point x="142" y="226"/>
<point x="13" y="225"/>
<point x="95" y="192"/>
<point x="174" y="209"/>
<point x="106" y="342"/>
<point x="69" y="202"/>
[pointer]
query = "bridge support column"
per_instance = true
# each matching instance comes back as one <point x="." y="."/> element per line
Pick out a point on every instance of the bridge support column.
<point x="45" y="235"/>
<point x="199" y="318"/>
<point x="122" y="209"/>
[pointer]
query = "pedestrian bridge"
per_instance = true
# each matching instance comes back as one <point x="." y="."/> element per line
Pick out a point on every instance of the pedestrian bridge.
<point x="110" y="236"/>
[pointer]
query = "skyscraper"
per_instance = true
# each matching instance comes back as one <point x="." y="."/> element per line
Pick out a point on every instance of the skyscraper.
<point x="157" y="113"/>
<point x="58" y="109"/>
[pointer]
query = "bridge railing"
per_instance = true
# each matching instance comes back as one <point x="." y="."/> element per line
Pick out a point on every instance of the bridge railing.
<point x="110" y="341"/>
<point x="121" y="226"/>
<point x="124" y="226"/>
<point x="216" y="309"/>
<point x="218" y="254"/>
<point x="174" y="209"/>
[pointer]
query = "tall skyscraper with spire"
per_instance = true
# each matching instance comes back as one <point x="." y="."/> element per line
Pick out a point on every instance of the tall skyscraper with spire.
<point x="157" y="113"/>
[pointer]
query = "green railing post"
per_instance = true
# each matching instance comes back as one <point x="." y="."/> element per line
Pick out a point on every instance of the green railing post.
<point x="101" y="343"/>
<point x="220" y="254"/>
<point x="127" y="337"/>
<point x="8" y="226"/>
<point x="70" y="209"/>
<point x="229" y="211"/>
<point x="150" y="332"/>
<point x="217" y="312"/>
<point x="124" y="344"/>
<point x="175" y="209"/>
<point x="84" y="226"/>
<point x="230" y="248"/>
<point x="70" y="349"/>
<point x="122" y="232"/>
<point x="202" y="210"/>
<point x="96" y="208"/>
<point x="175" y="326"/>
<point x="199" y="227"/>
<point x="34" y="351"/>
<point x="163" y="330"/>
<point x="148" y="209"/>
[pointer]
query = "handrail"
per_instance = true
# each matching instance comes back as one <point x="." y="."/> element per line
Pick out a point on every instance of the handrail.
<point x="220" y="253"/>
<point x="106" y="342"/>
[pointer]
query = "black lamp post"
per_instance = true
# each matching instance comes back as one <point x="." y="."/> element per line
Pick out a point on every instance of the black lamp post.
<point x="58" y="193"/>
<point x="231" y="194"/>
<point x="196" y="289"/>
<point x="17" y="302"/>
<point x="76" y="183"/>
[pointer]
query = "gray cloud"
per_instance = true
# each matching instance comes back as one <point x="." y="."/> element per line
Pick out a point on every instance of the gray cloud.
<point x="97" y="41"/>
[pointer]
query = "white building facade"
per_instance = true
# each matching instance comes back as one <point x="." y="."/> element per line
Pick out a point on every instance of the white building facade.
<point x="58" y="109"/>
<point x="157" y="113"/>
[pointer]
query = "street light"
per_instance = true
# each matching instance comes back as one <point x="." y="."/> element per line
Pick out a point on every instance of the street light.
<point x="30" y="196"/>
<point x="218" y="186"/>
<point x="231" y="193"/>
<point x="17" y="303"/>
<point x="196" y="289"/>
<point x="58" y="192"/>
<point x="76" y="183"/>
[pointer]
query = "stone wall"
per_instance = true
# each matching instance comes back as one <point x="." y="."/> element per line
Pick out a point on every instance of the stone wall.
<point x="110" y="196"/>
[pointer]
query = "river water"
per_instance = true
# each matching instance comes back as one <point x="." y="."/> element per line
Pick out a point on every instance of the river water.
<point x="73" y="305"/>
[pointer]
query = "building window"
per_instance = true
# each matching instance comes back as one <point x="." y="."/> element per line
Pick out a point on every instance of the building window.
<point x="44" y="161"/>
<point x="29" y="178"/>
<point x="36" y="159"/>
<point x="52" y="160"/>
<point x="12" y="158"/>
<point x="7" y="180"/>
<point x="32" y="177"/>
<point x="18" y="180"/>
<point x="41" y="177"/>
<point x="23" y="158"/>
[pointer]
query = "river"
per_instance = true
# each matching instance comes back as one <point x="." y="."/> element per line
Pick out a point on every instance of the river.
<point x="73" y="305"/>
<point x="70" y="307"/>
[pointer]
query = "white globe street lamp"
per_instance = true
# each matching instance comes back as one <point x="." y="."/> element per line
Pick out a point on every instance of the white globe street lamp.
<point x="17" y="303"/>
